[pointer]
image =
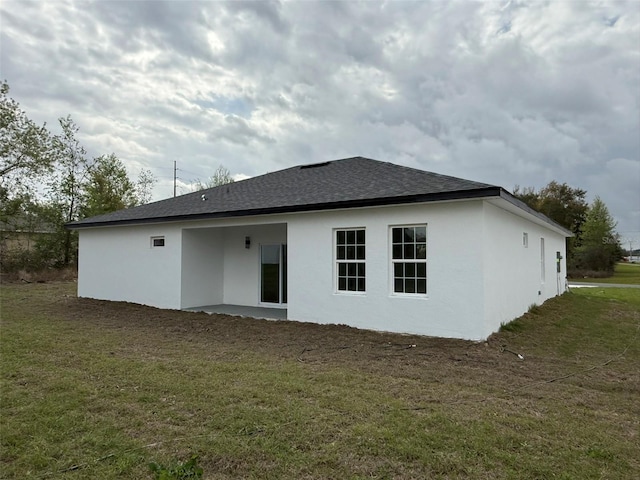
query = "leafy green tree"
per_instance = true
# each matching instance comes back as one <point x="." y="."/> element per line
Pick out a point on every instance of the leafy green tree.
<point x="563" y="204"/>
<point x="58" y="248"/>
<point x="65" y="194"/>
<point x="221" y="176"/>
<point x="75" y="187"/>
<point x="107" y="188"/>
<point x="20" y="227"/>
<point x="13" y="206"/>
<point x="600" y="244"/>
<point x="83" y="188"/>
<point x="528" y="195"/>
<point x="25" y="148"/>
<point x="26" y="158"/>
<point x="144" y="186"/>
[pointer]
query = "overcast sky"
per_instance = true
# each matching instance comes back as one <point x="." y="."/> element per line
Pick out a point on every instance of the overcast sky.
<point x="505" y="92"/>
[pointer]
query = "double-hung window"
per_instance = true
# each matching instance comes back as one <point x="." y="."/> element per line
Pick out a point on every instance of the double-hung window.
<point x="350" y="260"/>
<point x="409" y="259"/>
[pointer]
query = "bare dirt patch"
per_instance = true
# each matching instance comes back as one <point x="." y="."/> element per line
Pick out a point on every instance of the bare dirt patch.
<point x="494" y="363"/>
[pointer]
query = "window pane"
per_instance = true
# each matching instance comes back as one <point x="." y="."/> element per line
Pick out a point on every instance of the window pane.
<point x="270" y="254"/>
<point x="410" y="285"/>
<point x="408" y="254"/>
<point x="421" y="270"/>
<point x="270" y="290"/>
<point x="350" y="245"/>
<point x="409" y="269"/>
<point x="398" y="270"/>
<point x="351" y="237"/>
<point x="409" y="251"/>
<point x="408" y="234"/>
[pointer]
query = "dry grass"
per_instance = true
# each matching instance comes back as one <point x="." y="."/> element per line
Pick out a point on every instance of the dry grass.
<point x="41" y="276"/>
<point x="109" y="387"/>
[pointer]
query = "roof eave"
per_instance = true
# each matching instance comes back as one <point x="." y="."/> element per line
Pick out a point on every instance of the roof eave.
<point x="540" y="216"/>
<point x="375" y="202"/>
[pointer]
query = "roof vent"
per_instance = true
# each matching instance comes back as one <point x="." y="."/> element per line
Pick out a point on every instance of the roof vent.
<point x="314" y="165"/>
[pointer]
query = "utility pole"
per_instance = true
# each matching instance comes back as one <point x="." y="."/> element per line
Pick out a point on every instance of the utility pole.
<point x="175" y="176"/>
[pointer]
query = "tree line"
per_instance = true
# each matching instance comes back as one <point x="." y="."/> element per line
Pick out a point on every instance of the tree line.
<point x="47" y="180"/>
<point x="595" y="246"/>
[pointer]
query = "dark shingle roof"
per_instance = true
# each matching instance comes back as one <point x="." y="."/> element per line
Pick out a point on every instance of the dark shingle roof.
<point x="351" y="182"/>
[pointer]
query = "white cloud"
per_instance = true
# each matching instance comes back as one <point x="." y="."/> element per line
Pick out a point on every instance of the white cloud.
<point x="501" y="92"/>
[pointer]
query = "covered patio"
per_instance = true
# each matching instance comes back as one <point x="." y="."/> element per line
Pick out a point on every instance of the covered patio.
<point x="235" y="270"/>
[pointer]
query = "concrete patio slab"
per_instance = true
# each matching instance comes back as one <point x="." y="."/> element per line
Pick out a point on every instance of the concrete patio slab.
<point x="242" y="311"/>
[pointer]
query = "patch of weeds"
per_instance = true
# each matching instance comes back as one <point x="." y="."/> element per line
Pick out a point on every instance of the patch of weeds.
<point x="533" y="309"/>
<point x="599" y="453"/>
<point x="179" y="471"/>
<point x="516" y="325"/>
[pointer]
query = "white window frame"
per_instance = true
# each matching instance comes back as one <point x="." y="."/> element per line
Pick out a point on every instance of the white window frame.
<point x="359" y="263"/>
<point x="405" y="261"/>
<point x="153" y="241"/>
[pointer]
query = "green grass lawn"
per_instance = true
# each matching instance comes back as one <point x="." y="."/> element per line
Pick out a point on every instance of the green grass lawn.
<point x="625" y="273"/>
<point x="95" y="389"/>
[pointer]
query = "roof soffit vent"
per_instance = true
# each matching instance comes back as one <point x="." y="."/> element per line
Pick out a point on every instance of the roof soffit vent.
<point x="314" y="165"/>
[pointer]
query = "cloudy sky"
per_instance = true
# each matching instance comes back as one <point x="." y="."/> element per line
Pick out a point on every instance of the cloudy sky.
<point x="504" y="92"/>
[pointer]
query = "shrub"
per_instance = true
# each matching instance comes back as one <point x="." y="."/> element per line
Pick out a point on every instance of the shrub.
<point x="579" y="273"/>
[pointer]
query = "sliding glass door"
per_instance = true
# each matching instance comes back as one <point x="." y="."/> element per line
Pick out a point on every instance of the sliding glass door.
<point x="273" y="274"/>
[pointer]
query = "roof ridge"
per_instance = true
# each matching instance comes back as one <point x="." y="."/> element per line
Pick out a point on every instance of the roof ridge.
<point x="440" y="175"/>
<point x="413" y="169"/>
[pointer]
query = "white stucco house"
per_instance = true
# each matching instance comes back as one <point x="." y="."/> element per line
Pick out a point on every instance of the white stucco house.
<point x="355" y="241"/>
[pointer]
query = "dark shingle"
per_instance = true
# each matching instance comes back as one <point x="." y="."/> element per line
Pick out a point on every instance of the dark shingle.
<point x="343" y="183"/>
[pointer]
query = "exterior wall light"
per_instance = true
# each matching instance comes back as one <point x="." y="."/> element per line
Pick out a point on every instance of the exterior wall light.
<point x="247" y="242"/>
